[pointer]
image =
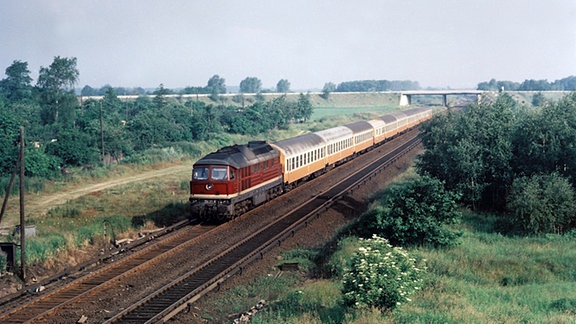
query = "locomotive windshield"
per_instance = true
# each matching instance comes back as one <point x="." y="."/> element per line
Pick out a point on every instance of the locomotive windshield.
<point x="200" y="173"/>
<point x="219" y="173"/>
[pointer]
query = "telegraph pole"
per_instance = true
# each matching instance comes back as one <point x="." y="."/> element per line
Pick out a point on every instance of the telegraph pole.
<point x="22" y="222"/>
<point x="102" y="133"/>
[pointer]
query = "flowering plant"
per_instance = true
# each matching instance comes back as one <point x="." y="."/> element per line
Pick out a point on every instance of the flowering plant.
<point x="381" y="275"/>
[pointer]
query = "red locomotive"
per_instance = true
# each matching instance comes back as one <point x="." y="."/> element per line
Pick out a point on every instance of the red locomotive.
<point x="234" y="179"/>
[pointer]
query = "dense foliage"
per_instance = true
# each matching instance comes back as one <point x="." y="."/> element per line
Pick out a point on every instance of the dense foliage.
<point x="542" y="203"/>
<point x="566" y="84"/>
<point x="413" y="212"/>
<point x="471" y="151"/>
<point x="72" y="132"/>
<point x="496" y="153"/>
<point x="381" y="276"/>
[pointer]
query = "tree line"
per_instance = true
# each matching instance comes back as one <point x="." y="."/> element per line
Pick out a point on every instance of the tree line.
<point x="63" y="131"/>
<point x="216" y="85"/>
<point x="565" y="84"/>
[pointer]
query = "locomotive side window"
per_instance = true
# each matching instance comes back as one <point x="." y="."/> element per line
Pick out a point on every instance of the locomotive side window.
<point x="219" y="173"/>
<point x="232" y="175"/>
<point x="200" y="173"/>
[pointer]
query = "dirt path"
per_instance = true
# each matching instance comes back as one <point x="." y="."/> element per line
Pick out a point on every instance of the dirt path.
<point x="39" y="204"/>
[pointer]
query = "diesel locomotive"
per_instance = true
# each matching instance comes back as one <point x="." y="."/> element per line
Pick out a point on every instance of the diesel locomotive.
<point x="234" y="179"/>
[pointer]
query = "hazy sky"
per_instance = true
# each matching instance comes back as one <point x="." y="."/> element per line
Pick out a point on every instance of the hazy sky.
<point x="439" y="43"/>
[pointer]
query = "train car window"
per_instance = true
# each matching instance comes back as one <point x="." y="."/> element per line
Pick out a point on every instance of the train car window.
<point x="219" y="173"/>
<point x="200" y="173"/>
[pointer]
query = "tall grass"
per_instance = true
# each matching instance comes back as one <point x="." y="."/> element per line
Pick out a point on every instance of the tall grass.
<point x="488" y="278"/>
<point x="31" y="184"/>
<point x="494" y="278"/>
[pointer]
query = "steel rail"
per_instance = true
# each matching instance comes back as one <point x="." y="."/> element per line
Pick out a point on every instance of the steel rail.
<point x="48" y="303"/>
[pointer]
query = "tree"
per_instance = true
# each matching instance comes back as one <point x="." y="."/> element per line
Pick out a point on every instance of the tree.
<point x="40" y="164"/>
<point x="88" y="91"/>
<point x="303" y="109"/>
<point x="543" y="140"/>
<point x="471" y="151"/>
<point x="72" y="146"/>
<point x="414" y="212"/>
<point x="216" y="86"/>
<point x="9" y="136"/>
<point x="160" y="98"/>
<point x="329" y="87"/>
<point x="18" y="83"/>
<point x="56" y="85"/>
<point x="283" y="86"/>
<point x="250" y="85"/>
<point x="543" y="203"/>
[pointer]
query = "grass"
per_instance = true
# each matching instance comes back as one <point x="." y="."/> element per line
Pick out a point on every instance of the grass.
<point x="321" y="113"/>
<point x="488" y="278"/>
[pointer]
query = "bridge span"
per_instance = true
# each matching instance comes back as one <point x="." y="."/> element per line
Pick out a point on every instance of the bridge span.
<point x="406" y="96"/>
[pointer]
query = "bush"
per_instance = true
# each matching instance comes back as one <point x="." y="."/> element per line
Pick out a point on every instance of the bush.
<point x="414" y="212"/>
<point x="542" y="203"/>
<point x="381" y="276"/>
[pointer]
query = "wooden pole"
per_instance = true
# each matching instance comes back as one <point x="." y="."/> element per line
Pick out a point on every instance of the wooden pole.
<point x="22" y="222"/>
<point x="102" y="133"/>
<point x="9" y="190"/>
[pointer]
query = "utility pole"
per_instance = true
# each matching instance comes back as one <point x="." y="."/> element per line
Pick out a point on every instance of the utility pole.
<point x="22" y="222"/>
<point x="102" y="133"/>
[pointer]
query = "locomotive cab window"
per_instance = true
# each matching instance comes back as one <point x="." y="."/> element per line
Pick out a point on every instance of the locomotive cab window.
<point x="219" y="173"/>
<point x="200" y="173"/>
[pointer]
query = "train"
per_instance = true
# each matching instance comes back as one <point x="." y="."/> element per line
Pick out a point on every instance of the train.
<point x="237" y="178"/>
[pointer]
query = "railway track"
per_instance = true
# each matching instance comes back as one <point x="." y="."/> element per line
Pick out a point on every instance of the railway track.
<point x="44" y="305"/>
<point x="179" y="294"/>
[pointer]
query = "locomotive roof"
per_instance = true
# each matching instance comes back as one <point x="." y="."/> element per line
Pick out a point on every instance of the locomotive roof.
<point x="239" y="156"/>
<point x="300" y="144"/>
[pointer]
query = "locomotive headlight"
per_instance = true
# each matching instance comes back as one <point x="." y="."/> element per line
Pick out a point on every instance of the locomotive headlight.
<point x="209" y="186"/>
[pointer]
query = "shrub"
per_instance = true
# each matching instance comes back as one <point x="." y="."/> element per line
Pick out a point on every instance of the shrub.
<point x="542" y="203"/>
<point x="414" y="212"/>
<point x="381" y="276"/>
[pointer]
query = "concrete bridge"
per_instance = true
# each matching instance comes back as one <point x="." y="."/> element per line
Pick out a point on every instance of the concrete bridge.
<point x="406" y="96"/>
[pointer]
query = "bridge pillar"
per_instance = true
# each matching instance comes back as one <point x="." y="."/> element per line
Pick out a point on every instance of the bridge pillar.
<point x="405" y="100"/>
<point x="478" y="98"/>
<point x="445" y="100"/>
